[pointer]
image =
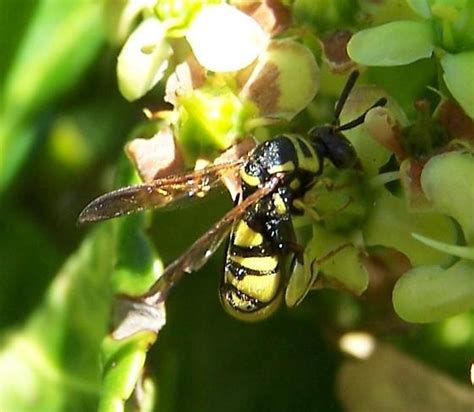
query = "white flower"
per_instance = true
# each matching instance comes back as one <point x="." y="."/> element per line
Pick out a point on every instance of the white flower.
<point x="143" y="59"/>
<point x="224" y="39"/>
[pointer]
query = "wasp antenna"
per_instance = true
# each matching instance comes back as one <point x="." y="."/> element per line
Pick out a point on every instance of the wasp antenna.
<point x="359" y="120"/>
<point x="345" y="94"/>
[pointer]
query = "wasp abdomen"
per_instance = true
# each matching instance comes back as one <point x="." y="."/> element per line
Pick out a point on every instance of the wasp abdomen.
<point x="252" y="284"/>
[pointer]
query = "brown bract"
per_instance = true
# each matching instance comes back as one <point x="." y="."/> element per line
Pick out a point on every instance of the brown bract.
<point x="334" y="47"/>
<point x="283" y="81"/>
<point x="272" y="15"/>
<point x="155" y="157"/>
<point x="237" y="151"/>
<point x="186" y="77"/>
<point x="410" y="177"/>
<point x="264" y="91"/>
<point x="231" y="180"/>
<point x="455" y="121"/>
<point x="384" y="267"/>
<point x="459" y="129"/>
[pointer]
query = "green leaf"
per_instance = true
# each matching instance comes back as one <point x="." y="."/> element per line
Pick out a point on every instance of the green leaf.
<point x="420" y="7"/>
<point x="61" y="41"/>
<point x="447" y="181"/>
<point x="136" y="267"/>
<point x="392" y="44"/>
<point x="124" y="351"/>
<point x="404" y="83"/>
<point x="16" y="141"/>
<point x="430" y="293"/>
<point x="458" y="74"/>
<point x="380" y="12"/>
<point x="54" y="359"/>
<point x="14" y="21"/>
<point x="391" y="225"/>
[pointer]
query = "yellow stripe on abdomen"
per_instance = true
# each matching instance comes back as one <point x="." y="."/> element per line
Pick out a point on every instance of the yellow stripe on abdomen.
<point x="260" y="287"/>
<point x="245" y="236"/>
<point x="257" y="263"/>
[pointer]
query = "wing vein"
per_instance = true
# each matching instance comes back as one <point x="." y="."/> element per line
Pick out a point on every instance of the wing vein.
<point x="203" y="248"/>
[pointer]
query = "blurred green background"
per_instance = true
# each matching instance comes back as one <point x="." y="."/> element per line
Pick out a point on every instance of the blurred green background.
<point x="63" y="125"/>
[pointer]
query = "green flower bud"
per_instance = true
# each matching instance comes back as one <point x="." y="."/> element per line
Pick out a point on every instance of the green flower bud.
<point x="430" y="293"/>
<point x="284" y="80"/>
<point x="447" y="181"/>
<point x="210" y="120"/>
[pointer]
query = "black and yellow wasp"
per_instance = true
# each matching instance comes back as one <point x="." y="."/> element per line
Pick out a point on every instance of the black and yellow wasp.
<point x="274" y="177"/>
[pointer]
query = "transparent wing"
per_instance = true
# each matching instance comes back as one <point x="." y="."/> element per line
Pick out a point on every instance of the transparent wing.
<point x="159" y="193"/>
<point x="203" y="248"/>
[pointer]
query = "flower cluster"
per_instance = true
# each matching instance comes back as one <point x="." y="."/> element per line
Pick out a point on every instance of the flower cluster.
<point x="230" y="71"/>
<point x="235" y="79"/>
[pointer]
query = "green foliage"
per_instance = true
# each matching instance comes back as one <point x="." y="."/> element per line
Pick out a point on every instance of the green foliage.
<point x="77" y="336"/>
<point x="446" y="29"/>
<point x="51" y="362"/>
<point x="382" y="46"/>
<point x="61" y="40"/>
<point x="457" y="69"/>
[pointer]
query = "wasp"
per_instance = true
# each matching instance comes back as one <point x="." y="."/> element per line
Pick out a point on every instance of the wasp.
<point x="275" y="176"/>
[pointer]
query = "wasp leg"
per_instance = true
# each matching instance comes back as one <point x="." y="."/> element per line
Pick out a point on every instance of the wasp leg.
<point x="333" y="252"/>
<point x="297" y="250"/>
<point x="315" y="216"/>
<point x="328" y="184"/>
<point x="307" y="210"/>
